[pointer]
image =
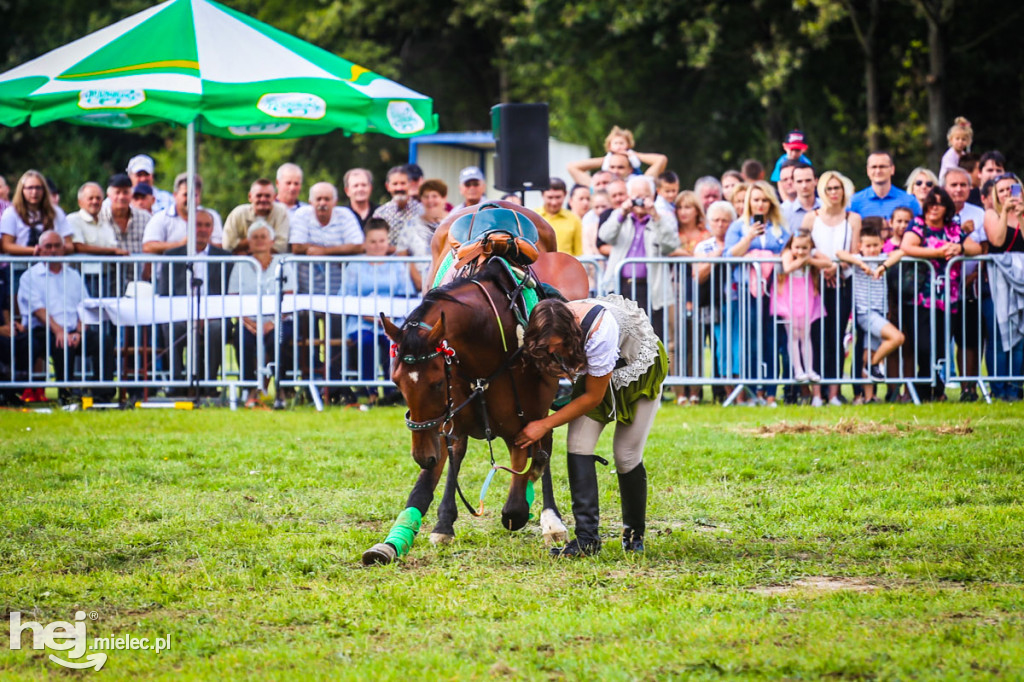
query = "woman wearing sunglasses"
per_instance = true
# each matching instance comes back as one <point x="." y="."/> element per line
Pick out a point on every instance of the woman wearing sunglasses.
<point x="920" y="182"/>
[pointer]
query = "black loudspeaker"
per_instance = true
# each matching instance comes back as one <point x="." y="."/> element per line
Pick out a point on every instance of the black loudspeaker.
<point x="521" y="146"/>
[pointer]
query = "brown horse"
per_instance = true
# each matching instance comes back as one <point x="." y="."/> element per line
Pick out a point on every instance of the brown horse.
<point x="458" y="364"/>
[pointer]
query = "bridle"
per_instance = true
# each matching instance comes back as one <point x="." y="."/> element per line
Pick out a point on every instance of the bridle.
<point x="444" y="422"/>
<point x="478" y="387"/>
<point x="449" y="357"/>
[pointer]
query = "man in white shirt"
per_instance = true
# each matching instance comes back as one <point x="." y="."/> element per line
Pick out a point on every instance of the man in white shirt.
<point x="89" y="233"/>
<point x="167" y="229"/>
<point x="48" y="296"/>
<point x="324" y="229"/>
<point x="957" y="183"/>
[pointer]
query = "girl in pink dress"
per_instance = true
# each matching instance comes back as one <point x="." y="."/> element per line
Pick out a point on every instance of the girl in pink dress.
<point x="796" y="301"/>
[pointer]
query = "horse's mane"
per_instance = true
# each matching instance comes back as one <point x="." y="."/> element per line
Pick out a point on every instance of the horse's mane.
<point x="416" y="344"/>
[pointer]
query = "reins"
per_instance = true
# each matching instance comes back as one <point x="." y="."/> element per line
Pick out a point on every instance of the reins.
<point x="478" y="390"/>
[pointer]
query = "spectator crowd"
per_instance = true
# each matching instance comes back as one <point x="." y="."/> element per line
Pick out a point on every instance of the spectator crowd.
<point x="749" y="281"/>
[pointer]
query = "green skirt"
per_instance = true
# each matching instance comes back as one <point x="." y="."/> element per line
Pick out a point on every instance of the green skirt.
<point x="620" y="404"/>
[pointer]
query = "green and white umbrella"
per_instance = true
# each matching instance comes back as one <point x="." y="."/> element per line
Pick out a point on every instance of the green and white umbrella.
<point x="212" y="69"/>
<point x="197" y="61"/>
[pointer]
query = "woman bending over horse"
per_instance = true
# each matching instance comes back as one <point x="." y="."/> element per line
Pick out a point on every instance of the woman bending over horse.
<point x="610" y="345"/>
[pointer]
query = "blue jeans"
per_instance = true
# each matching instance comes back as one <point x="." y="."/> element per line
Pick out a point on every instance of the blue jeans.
<point x="999" y="361"/>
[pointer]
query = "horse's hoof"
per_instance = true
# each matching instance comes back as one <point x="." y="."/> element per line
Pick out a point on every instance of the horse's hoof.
<point x="514" y="521"/>
<point x="381" y="553"/>
<point x="552" y="528"/>
<point x="441" y="539"/>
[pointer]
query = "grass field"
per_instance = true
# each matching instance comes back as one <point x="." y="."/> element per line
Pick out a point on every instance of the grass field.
<point x="871" y="543"/>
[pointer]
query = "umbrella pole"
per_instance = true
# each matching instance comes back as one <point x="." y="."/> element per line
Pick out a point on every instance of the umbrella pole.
<point x="190" y="236"/>
<point x="191" y="168"/>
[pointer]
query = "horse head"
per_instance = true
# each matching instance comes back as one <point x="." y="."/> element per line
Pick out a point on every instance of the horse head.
<point x="421" y="368"/>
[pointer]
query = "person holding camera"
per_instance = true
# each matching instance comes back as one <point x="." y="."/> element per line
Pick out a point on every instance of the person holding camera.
<point x="635" y="230"/>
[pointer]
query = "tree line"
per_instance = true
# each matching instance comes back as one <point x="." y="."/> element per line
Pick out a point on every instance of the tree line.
<point x="708" y="83"/>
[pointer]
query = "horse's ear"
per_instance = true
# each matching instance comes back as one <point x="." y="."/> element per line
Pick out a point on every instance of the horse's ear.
<point x="437" y="332"/>
<point x="393" y="332"/>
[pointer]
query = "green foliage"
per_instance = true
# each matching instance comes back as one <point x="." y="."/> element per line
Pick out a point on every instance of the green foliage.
<point x="708" y="83"/>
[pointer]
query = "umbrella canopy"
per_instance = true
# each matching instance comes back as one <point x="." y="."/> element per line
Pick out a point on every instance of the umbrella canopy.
<point x="197" y="61"/>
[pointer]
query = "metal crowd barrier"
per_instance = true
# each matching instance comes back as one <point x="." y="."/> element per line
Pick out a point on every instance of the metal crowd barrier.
<point x="976" y="336"/>
<point x="720" y="326"/>
<point x="330" y="349"/>
<point x="144" y="323"/>
<point x="722" y="329"/>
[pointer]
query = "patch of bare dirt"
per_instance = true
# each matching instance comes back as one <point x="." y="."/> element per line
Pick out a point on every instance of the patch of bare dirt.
<point x="854" y="427"/>
<point x="818" y="583"/>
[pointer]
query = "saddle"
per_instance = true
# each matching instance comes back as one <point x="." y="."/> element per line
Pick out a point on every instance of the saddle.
<point x="493" y="231"/>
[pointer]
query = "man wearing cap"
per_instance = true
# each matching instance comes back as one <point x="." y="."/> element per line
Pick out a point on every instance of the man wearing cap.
<point x="471" y="187"/>
<point x="168" y="229"/>
<point x="289" y="187"/>
<point x="794" y="147"/>
<point x="402" y="213"/>
<point x="261" y="205"/>
<point x="143" y="197"/>
<point x="141" y="170"/>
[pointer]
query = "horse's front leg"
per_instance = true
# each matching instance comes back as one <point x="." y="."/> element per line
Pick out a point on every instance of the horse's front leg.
<point x="551" y="526"/>
<point x="448" y="511"/>
<point x="516" y="511"/>
<point x="403" y="532"/>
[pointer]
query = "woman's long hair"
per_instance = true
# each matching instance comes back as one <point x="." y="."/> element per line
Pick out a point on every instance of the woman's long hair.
<point x="774" y="215"/>
<point x="551" y="318"/>
<point x="46" y="213"/>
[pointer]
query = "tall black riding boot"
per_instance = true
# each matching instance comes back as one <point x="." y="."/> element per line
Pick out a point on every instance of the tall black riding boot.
<point x="633" y="490"/>
<point x="585" y="509"/>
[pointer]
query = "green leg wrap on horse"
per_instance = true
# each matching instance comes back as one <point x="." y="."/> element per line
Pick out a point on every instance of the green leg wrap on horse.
<point x="404" y="531"/>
